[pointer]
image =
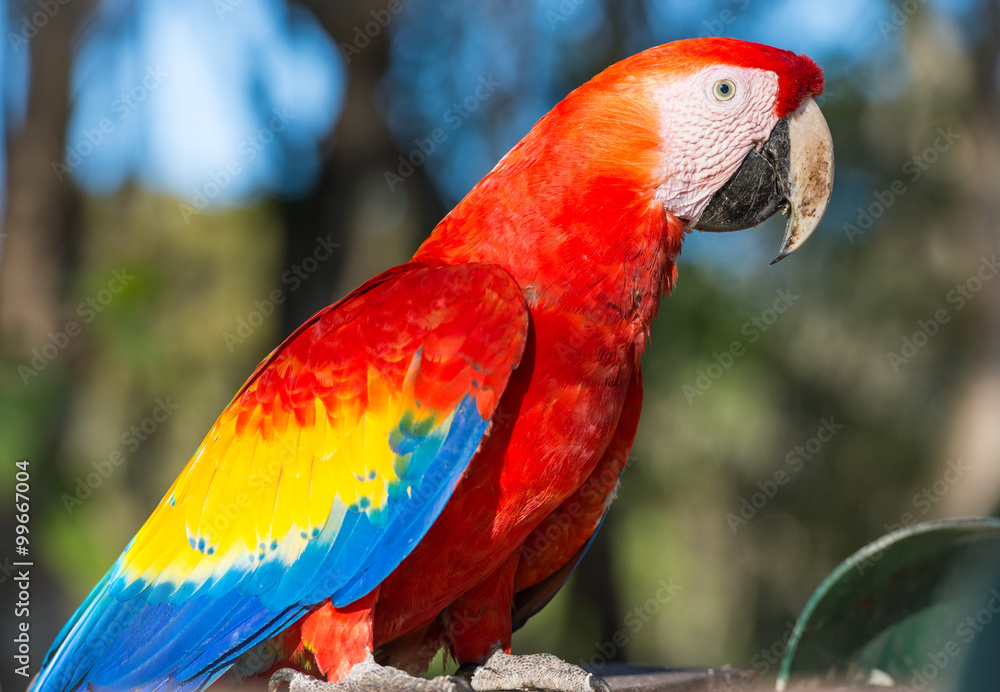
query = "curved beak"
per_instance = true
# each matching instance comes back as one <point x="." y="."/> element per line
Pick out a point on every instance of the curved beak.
<point x="792" y="173"/>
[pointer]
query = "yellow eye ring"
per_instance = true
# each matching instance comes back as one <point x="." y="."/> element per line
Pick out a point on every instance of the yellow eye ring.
<point x="724" y="89"/>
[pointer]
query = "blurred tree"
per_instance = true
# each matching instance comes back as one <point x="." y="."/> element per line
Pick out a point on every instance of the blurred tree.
<point x="376" y="226"/>
<point x="975" y="435"/>
<point x="40" y="207"/>
<point x="38" y="249"/>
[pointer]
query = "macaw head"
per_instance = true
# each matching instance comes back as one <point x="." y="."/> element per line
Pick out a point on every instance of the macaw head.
<point x="741" y="135"/>
<point x="708" y="134"/>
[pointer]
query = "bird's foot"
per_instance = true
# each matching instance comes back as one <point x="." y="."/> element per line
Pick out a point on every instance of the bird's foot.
<point x="546" y="672"/>
<point x="367" y="676"/>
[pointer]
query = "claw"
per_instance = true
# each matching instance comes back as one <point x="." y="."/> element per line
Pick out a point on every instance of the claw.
<point x="297" y="682"/>
<point x="536" y="672"/>
<point x="367" y="676"/>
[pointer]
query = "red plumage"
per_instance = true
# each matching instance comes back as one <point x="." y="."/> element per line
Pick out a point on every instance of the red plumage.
<point x="571" y="213"/>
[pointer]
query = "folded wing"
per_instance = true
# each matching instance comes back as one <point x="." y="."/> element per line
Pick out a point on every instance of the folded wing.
<point x="316" y="481"/>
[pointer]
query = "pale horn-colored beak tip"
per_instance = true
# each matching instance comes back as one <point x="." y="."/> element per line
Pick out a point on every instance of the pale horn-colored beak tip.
<point x="810" y="175"/>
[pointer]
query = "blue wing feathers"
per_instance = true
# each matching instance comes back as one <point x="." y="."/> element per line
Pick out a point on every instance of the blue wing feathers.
<point x="128" y="636"/>
<point x="411" y="520"/>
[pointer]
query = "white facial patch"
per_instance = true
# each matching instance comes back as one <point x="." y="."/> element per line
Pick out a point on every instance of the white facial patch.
<point x="708" y="128"/>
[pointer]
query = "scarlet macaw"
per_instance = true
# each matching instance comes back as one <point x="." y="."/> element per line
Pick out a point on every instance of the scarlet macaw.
<point x="423" y="463"/>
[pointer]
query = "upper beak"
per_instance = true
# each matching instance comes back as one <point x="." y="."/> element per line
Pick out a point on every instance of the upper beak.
<point x="793" y="173"/>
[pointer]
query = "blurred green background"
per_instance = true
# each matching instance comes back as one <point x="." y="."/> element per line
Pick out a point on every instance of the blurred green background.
<point x="175" y="170"/>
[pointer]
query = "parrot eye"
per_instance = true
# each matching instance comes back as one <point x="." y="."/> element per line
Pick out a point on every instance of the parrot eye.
<point x="724" y="89"/>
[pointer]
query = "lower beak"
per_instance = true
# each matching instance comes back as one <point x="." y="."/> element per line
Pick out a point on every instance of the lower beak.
<point x="792" y="173"/>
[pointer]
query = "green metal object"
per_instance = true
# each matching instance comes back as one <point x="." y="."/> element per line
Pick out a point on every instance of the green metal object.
<point x="918" y="607"/>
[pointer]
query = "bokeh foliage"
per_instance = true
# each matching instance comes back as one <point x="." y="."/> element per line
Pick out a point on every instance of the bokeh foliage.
<point x="733" y="385"/>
